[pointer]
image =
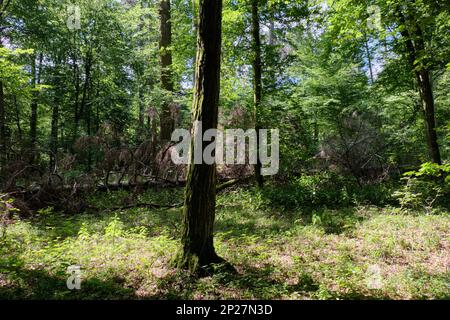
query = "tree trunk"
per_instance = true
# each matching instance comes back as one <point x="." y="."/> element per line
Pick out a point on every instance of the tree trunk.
<point x="82" y="112"/>
<point x="426" y="94"/>
<point x="3" y="157"/>
<point x="422" y="74"/>
<point x="54" y="135"/>
<point x="2" y="125"/>
<point x="88" y="120"/>
<point x="199" y="207"/>
<point x="369" y="58"/>
<point x="36" y="71"/>
<point x="257" y="84"/>
<point x="55" y="120"/>
<point x="19" y="127"/>
<point x="141" y="125"/>
<point x="167" y="123"/>
<point x="76" y="99"/>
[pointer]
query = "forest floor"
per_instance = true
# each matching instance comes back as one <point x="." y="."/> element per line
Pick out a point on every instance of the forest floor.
<point x="359" y="252"/>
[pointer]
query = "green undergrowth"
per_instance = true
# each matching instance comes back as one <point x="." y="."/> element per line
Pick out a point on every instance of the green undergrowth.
<point x="303" y="251"/>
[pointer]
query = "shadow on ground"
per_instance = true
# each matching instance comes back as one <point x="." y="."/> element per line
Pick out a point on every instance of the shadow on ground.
<point x="40" y="284"/>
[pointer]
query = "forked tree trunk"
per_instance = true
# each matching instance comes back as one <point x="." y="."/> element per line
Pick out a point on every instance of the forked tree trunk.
<point x="257" y="84"/>
<point x="167" y="123"/>
<point x="197" y="250"/>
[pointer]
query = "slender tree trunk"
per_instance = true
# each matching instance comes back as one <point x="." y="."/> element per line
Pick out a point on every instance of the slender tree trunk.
<point x="2" y="125"/>
<point x="76" y="99"/>
<point x="36" y="71"/>
<point x="167" y="123"/>
<point x="3" y="157"/>
<point x="422" y="75"/>
<point x="33" y="118"/>
<point x="55" y="120"/>
<point x="97" y="105"/>
<point x="19" y="127"/>
<point x="140" y="131"/>
<point x="315" y="130"/>
<point x="199" y="208"/>
<point x="82" y="112"/>
<point x="88" y="119"/>
<point x="257" y="84"/>
<point x="272" y="31"/>
<point x="54" y="135"/>
<point x="152" y="123"/>
<point x="369" y="58"/>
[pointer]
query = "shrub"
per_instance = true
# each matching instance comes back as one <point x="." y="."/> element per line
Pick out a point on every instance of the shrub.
<point x="325" y="188"/>
<point x="425" y="188"/>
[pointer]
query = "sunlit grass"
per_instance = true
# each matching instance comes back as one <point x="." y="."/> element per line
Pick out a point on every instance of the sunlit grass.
<point x="300" y="253"/>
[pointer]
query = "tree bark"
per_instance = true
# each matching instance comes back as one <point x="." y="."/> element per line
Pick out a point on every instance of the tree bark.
<point x="426" y="94"/>
<point x="2" y="110"/>
<point x="257" y="84"/>
<point x="19" y="127"/>
<point x="167" y="123"/>
<point x="76" y="99"/>
<point x="199" y="206"/>
<point x="55" y="120"/>
<point x="36" y="71"/>
<point x="2" y="125"/>
<point x="369" y="58"/>
<point x="422" y="74"/>
<point x="141" y="123"/>
<point x="82" y="112"/>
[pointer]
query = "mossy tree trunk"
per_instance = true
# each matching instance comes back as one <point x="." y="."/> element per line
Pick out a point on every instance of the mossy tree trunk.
<point x="165" y="42"/>
<point x="197" y="251"/>
<point x="257" y="83"/>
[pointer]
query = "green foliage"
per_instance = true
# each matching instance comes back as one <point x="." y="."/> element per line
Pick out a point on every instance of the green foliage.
<point x="342" y="94"/>
<point x="290" y="254"/>
<point x="426" y="188"/>
<point x="325" y="189"/>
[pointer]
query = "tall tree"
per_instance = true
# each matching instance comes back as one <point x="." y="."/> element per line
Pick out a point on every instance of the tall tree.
<point x="2" y="123"/>
<point x="35" y="81"/>
<point x="165" y="42"/>
<point x="200" y="198"/>
<point x="421" y="42"/>
<point x="55" y="119"/>
<point x="257" y="83"/>
<point x="415" y="46"/>
<point x="3" y="7"/>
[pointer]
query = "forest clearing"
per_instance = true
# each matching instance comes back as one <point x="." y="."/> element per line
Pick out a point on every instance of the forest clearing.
<point x="224" y="150"/>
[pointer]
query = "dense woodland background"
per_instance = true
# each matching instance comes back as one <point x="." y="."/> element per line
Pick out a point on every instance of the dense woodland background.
<point x="358" y="89"/>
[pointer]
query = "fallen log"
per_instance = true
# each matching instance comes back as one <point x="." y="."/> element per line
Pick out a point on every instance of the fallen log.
<point x="137" y="205"/>
<point x="231" y="183"/>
